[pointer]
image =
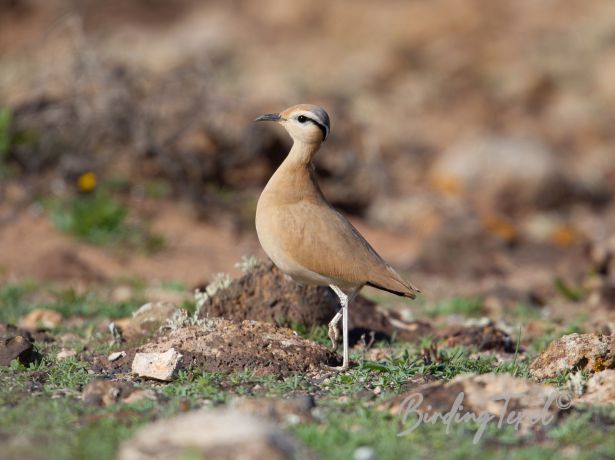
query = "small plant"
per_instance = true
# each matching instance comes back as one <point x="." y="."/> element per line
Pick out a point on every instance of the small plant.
<point x="568" y="291"/>
<point x="221" y="281"/>
<point x="5" y="137"/>
<point x="100" y="219"/>
<point x="248" y="264"/>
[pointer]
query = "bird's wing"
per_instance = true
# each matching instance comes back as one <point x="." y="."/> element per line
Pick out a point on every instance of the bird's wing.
<point x="324" y="241"/>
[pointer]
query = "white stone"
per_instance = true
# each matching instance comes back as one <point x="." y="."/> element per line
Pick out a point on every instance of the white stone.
<point x="115" y="356"/>
<point x="159" y="366"/>
<point x="364" y="453"/>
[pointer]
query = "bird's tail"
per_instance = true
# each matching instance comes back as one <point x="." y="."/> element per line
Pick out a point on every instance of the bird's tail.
<point x="390" y="281"/>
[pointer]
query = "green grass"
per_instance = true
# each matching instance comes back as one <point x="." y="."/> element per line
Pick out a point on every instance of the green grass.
<point x="42" y="416"/>
<point x="568" y="291"/>
<point x="19" y="298"/>
<point x="318" y="334"/>
<point x="523" y="313"/>
<point x="64" y="428"/>
<point x="463" y="306"/>
<point x="393" y="373"/>
<point x="362" y="425"/>
<point x="98" y="218"/>
<point x="5" y="138"/>
<point x="41" y="427"/>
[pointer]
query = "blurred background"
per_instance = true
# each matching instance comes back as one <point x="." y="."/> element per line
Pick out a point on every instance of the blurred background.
<point x="472" y="141"/>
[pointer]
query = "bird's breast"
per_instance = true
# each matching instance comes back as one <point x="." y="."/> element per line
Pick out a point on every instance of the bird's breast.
<point x="280" y="234"/>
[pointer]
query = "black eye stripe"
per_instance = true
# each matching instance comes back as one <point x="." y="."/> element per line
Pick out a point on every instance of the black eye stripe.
<point x="320" y="126"/>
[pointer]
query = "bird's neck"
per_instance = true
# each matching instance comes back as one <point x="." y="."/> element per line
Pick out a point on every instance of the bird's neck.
<point x="295" y="176"/>
<point x="300" y="155"/>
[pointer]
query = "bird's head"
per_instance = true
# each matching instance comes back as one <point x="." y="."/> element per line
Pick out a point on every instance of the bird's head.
<point x="305" y="123"/>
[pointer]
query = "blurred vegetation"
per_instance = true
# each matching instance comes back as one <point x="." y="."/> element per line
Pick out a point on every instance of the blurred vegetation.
<point x="19" y="298"/>
<point x="5" y="138"/>
<point x="100" y="219"/>
<point x="464" y="306"/>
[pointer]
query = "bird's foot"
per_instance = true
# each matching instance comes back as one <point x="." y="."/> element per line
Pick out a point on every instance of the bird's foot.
<point x="333" y="335"/>
<point x="338" y="368"/>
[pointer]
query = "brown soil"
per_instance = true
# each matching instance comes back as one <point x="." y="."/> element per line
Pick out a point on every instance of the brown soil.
<point x="221" y="345"/>
<point x="19" y="348"/>
<point x="195" y="251"/>
<point x="266" y="294"/>
<point x="483" y="337"/>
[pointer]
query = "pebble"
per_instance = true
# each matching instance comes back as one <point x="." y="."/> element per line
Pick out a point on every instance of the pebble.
<point x="159" y="366"/>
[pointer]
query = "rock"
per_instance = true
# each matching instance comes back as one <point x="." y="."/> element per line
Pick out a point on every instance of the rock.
<point x="212" y="434"/>
<point x="159" y="366"/>
<point x="115" y="356"/>
<point x="147" y="319"/>
<point x="485" y="338"/>
<point x="65" y="353"/>
<point x="575" y="352"/>
<point x="266" y="294"/>
<point x="600" y="388"/>
<point x="217" y="344"/>
<point x="41" y="318"/>
<point x="364" y="453"/>
<point x="290" y="411"/>
<point x="105" y="392"/>
<point x="19" y="348"/>
<point x="500" y="397"/>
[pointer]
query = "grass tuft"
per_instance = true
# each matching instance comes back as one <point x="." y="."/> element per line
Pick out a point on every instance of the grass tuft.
<point x="100" y="219"/>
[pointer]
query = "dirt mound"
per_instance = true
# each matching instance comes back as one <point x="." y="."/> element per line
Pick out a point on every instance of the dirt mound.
<point x="221" y="345"/>
<point x="484" y="338"/>
<point x="266" y="294"/>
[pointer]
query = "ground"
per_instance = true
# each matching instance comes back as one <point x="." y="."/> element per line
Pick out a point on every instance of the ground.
<point x="471" y="144"/>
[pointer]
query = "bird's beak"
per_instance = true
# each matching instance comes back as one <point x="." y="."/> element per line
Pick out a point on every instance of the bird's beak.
<point x="269" y="117"/>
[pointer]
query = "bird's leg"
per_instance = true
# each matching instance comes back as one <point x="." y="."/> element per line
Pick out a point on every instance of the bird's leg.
<point x="333" y="331"/>
<point x="345" y="301"/>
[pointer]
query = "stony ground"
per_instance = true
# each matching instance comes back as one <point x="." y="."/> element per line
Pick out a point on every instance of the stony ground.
<point x="87" y="376"/>
<point x="472" y="145"/>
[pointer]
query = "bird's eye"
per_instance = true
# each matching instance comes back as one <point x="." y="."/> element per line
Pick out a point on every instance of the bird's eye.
<point x="301" y="118"/>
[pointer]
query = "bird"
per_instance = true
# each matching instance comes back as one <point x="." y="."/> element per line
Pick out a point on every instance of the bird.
<point x="306" y="237"/>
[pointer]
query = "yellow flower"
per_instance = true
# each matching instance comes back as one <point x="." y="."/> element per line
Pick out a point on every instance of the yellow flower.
<point x="87" y="182"/>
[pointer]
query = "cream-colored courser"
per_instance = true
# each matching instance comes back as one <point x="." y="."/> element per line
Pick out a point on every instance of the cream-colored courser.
<point x="308" y="239"/>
